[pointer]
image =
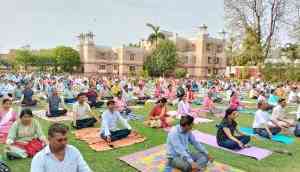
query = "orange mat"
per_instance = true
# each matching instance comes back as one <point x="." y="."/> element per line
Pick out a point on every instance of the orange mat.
<point x="91" y="136"/>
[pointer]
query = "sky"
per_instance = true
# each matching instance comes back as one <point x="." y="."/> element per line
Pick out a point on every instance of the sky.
<point x="49" y="23"/>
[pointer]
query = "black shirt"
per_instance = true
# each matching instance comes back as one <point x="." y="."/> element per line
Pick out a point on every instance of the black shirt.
<point x="221" y="135"/>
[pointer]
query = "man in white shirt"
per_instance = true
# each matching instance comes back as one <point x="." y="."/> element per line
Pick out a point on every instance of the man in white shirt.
<point x="58" y="155"/>
<point x="109" y="125"/>
<point x="82" y="113"/>
<point x="293" y="96"/>
<point x="279" y="115"/>
<point x="261" y="124"/>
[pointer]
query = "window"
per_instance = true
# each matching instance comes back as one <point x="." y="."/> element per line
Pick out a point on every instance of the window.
<point x="193" y="59"/>
<point x="208" y="47"/>
<point x="101" y="55"/>
<point x="208" y="71"/>
<point x="131" y="57"/>
<point x="116" y="67"/>
<point x="219" y="49"/>
<point x="115" y="56"/>
<point x="215" y="71"/>
<point x="216" y="60"/>
<point x="131" y="68"/>
<point x="102" y="67"/>
<point x="186" y="59"/>
<point x="209" y="60"/>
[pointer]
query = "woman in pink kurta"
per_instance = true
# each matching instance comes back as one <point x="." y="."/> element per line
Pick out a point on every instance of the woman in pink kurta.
<point x="208" y="103"/>
<point x="235" y="102"/>
<point x="7" y="118"/>
<point x="184" y="108"/>
<point x="170" y="94"/>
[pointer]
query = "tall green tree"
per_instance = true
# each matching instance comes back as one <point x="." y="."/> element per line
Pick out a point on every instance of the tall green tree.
<point x="66" y="58"/>
<point x="251" y="50"/>
<point x="266" y="18"/>
<point x="162" y="60"/>
<point x="24" y="58"/>
<point x="156" y="35"/>
<point x="291" y="51"/>
<point x="45" y="59"/>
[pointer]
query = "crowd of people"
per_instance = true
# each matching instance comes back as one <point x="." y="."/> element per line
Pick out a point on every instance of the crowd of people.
<point x="24" y="137"/>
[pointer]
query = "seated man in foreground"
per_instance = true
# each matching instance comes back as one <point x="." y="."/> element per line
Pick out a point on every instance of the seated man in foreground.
<point x="56" y="105"/>
<point x="280" y="116"/>
<point x="178" y="153"/>
<point x="263" y="124"/>
<point x="109" y="125"/>
<point x="58" y="154"/>
<point x="82" y="113"/>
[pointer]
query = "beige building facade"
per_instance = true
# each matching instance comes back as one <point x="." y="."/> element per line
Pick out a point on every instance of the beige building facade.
<point x="202" y="55"/>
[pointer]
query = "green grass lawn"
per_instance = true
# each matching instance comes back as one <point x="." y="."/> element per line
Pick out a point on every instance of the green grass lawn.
<point x="107" y="161"/>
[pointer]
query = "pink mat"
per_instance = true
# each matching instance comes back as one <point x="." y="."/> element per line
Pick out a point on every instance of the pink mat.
<point x="197" y="120"/>
<point x="254" y="152"/>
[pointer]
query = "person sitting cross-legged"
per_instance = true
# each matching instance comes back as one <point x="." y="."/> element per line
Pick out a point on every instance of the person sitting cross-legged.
<point x="94" y="98"/>
<point x="158" y="117"/>
<point x="110" y="130"/>
<point x="56" y="105"/>
<point x="262" y="120"/>
<point x="25" y="137"/>
<point x="279" y="115"/>
<point x="7" y="117"/>
<point x="58" y="155"/>
<point x="27" y="96"/>
<point x="227" y="129"/>
<point x="82" y="113"/>
<point x="69" y="94"/>
<point x="178" y="152"/>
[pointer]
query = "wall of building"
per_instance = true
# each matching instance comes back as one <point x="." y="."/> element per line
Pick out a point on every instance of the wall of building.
<point x="201" y="57"/>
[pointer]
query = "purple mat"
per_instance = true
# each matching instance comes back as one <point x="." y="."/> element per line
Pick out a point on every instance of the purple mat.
<point x="254" y="152"/>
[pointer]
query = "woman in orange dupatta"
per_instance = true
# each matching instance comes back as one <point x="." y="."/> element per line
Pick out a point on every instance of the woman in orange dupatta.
<point x="158" y="117"/>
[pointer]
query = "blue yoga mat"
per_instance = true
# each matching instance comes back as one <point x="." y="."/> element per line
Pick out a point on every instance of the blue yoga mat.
<point x="277" y="138"/>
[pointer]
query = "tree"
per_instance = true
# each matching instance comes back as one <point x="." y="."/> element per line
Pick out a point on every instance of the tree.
<point x="66" y="58"/>
<point x="263" y="17"/>
<point x="162" y="60"/>
<point x="24" y="58"/>
<point x="180" y="73"/>
<point x="45" y="59"/>
<point x="291" y="51"/>
<point x="296" y="31"/>
<point x="156" y="35"/>
<point x="252" y="52"/>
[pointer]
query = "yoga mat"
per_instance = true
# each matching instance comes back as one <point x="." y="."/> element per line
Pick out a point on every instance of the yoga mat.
<point x="154" y="160"/>
<point x="277" y="138"/>
<point x="92" y="137"/>
<point x="253" y="152"/>
<point x="42" y="114"/>
<point x="196" y="120"/>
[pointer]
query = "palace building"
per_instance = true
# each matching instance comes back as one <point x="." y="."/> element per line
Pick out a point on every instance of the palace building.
<point x="202" y="55"/>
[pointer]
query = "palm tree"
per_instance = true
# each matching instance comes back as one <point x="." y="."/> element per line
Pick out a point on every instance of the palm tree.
<point x="156" y="35"/>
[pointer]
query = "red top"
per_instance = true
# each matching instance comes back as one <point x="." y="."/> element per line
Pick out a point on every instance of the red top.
<point x="156" y="111"/>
